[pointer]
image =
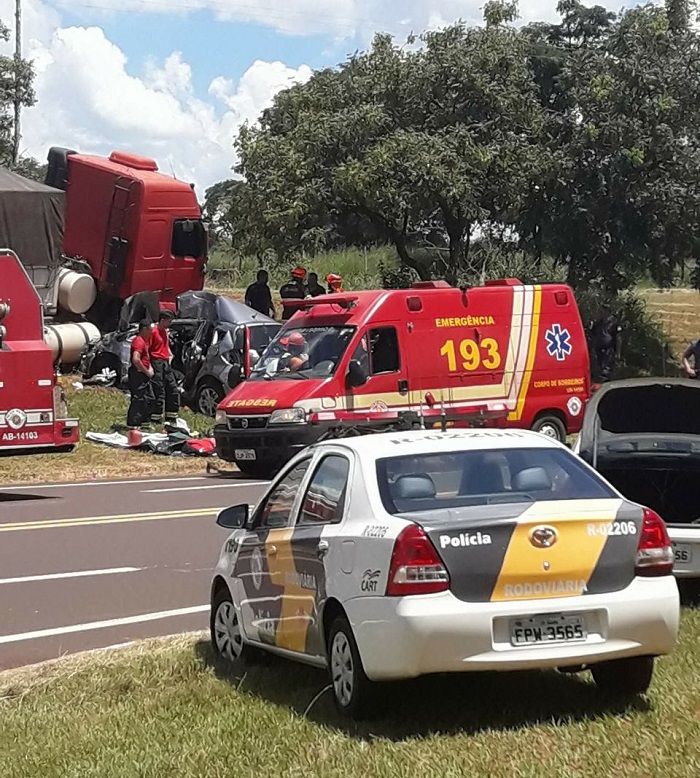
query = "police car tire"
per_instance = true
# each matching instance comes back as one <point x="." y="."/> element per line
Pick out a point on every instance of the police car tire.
<point x="223" y="598"/>
<point x="554" y="423"/>
<point x="624" y="677"/>
<point x="361" y="693"/>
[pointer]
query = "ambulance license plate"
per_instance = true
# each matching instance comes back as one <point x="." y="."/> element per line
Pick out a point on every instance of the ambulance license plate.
<point x="550" y="628"/>
<point x="682" y="553"/>
<point x="245" y="454"/>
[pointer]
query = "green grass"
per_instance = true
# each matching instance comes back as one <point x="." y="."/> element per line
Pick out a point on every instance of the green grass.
<point x="359" y="268"/>
<point x="165" y="709"/>
<point x="98" y="410"/>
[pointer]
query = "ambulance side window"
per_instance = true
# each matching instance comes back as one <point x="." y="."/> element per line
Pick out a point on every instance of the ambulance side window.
<point x="324" y="500"/>
<point x="384" y="350"/>
<point x="276" y="510"/>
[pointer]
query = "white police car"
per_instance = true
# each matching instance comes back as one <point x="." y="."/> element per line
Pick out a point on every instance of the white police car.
<point x="396" y="555"/>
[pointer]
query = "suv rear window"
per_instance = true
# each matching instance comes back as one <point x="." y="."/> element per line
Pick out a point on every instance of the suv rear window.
<point x="467" y="478"/>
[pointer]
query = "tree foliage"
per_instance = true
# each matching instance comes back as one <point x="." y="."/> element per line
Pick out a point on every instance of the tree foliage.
<point x="575" y="143"/>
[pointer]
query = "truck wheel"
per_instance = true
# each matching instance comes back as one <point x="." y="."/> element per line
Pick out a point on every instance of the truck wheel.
<point x="353" y="692"/>
<point x="551" y="426"/>
<point x="208" y="396"/>
<point x="624" y="677"/>
<point x="262" y="470"/>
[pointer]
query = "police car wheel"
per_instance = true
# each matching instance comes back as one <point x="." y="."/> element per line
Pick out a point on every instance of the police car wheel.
<point x="624" y="677"/>
<point x="353" y="692"/>
<point x="552" y="427"/>
<point x="226" y="637"/>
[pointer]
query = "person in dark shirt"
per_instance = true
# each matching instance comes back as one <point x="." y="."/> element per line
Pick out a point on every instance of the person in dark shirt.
<point x="693" y="350"/>
<point x="294" y="289"/>
<point x="314" y="288"/>
<point x="606" y="342"/>
<point x="259" y="297"/>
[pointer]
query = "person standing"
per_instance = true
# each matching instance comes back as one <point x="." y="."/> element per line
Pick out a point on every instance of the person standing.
<point x="294" y="289"/>
<point x="314" y="289"/>
<point x="693" y="351"/>
<point x="606" y="341"/>
<point x="335" y="283"/>
<point x="165" y="389"/>
<point x="259" y="297"/>
<point x="139" y="378"/>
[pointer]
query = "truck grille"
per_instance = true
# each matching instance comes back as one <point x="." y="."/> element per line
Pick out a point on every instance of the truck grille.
<point x="247" y="422"/>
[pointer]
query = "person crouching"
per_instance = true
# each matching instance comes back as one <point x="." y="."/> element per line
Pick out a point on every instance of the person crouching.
<point x="139" y="378"/>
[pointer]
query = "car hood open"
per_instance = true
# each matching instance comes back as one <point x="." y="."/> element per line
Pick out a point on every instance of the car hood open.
<point x="642" y="416"/>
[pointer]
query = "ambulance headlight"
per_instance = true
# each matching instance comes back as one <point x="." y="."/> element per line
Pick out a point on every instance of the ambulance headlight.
<point x="220" y="417"/>
<point x="288" y="416"/>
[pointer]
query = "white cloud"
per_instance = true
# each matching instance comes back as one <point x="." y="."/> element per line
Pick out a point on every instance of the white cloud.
<point x="88" y="100"/>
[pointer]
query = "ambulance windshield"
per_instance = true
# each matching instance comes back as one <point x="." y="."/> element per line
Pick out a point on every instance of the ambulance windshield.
<point x="304" y="352"/>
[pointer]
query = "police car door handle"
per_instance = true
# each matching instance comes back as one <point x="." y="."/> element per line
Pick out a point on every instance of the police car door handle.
<point x="322" y="547"/>
<point x="272" y="550"/>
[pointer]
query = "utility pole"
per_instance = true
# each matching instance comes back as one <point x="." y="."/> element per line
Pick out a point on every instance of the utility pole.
<point x="18" y="58"/>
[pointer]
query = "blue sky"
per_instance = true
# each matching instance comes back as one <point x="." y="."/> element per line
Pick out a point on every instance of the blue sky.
<point x="175" y="79"/>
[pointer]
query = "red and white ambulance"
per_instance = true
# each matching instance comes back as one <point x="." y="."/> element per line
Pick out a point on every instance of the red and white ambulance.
<point x="507" y="352"/>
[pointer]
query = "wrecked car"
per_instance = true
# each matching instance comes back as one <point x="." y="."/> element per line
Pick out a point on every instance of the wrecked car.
<point x="643" y="436"/>
<point x="214" y="339"/>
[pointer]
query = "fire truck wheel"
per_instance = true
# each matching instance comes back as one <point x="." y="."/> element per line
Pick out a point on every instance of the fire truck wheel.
<point x="209" y="394"/>
<point x="551" y="426"/>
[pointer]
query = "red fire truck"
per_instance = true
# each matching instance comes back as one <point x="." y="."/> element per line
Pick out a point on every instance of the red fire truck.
<point x="33" y="412"/>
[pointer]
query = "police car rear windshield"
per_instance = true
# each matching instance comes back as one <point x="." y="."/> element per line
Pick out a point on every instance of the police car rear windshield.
<point x="304" y="352"/>
<point x="459" y="479"/>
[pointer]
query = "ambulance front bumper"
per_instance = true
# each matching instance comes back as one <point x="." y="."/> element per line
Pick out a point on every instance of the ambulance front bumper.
<point x="276" y="443"/>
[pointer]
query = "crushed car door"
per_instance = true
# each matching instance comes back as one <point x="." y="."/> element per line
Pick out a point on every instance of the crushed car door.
<point x="265" y="555"/>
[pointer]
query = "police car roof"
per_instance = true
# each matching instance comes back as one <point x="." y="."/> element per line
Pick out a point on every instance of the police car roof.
<point x="411" y="443"/>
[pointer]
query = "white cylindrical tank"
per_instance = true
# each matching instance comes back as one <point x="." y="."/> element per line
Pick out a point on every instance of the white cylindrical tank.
<point x="68" y="341"/>
<point x="76" y="291"/>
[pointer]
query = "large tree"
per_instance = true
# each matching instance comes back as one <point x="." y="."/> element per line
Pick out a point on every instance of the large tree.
<point x="429" y="146"/>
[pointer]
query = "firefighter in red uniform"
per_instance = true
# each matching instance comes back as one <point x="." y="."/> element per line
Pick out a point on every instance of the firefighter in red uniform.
<point x="164" y="384"/>
<point x="140" y="375"/>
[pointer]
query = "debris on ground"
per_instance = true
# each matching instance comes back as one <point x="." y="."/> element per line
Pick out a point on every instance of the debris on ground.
<point x="176" y="440"/>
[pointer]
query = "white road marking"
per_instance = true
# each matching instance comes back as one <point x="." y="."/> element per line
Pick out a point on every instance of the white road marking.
<point x="195" y="488"/>
<point x="39" y="485"/>
<point x="76" y="574"/>
<point x="93" y="625"/>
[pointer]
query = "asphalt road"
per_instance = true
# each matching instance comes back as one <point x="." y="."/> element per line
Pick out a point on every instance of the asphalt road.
<point x="100" y="564"/>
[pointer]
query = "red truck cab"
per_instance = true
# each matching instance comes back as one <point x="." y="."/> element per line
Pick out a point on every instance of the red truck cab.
<point x="512" y="353"/>
<point x="131" y="227"/>
<point x="32" y="408"/>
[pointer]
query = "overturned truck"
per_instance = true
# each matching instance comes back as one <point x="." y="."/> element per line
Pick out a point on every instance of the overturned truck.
<point x="643" y="436"/>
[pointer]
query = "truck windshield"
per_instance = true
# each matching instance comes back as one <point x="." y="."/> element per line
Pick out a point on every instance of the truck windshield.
<point x="304" y="352"/>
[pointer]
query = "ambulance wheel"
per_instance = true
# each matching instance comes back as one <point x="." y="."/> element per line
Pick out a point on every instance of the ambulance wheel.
<point x="208" y="396"/>
<point x="226" y="635"/>
<point x="624" y="677"/>
<point x="353" y="692"/>
<point x="551" y="426"/>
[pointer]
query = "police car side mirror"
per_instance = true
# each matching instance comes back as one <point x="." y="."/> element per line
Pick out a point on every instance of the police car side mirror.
<point x="234" y="517"/>
<point x="356" y="376"/>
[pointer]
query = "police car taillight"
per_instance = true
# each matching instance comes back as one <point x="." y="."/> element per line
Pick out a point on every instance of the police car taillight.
<point x="654" y="552"/>
<point x="416" y="567"/>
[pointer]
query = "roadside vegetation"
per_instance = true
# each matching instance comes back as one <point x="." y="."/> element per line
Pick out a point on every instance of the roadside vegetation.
<point x="99" y="410"/>
<point x="165" y="708"/>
